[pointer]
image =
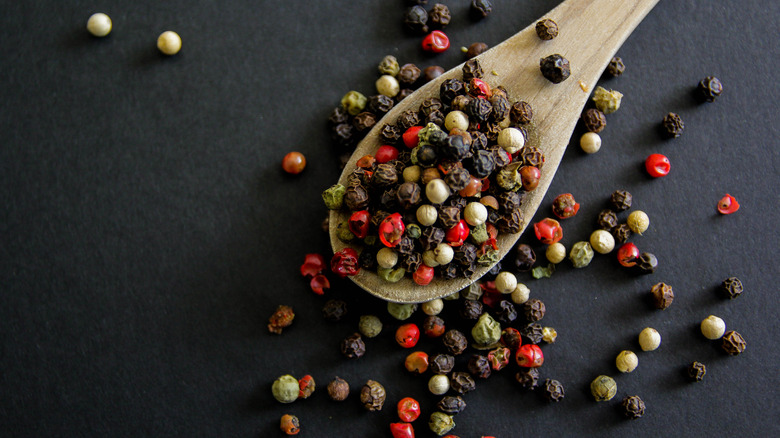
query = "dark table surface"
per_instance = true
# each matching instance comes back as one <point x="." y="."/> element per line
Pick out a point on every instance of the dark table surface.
<point x="149" y="232"/>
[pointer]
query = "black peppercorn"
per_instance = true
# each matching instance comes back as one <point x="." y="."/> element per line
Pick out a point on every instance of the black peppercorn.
<point x="673" y="125"/>
<point x="471" y="69"/>
<point x="390" y="134"/>
<point x="479" y="366"/>
<point x="405" y="246"/>
<point x="449" y="216"/>
<point x="455" y="148"/>
<point x="633" y="407"/>
<point x="338" y="116"/>
<point x="524" y="257"/>
<point x="552" y="390"/>
<point x="449" y="89"/>
<point x="447" y="272"/>
<point x="364" y="121"/>
<point x="380" y="104"/>
<point x="408" y="74"/>
<point x="352" y="346"/>
<point x="732" y="287"/>
<point x="508" y="201"/>
<point x="478" y="141"/>
<point x="470" y="309"/>
<point x="594" y="120"/>
<point x="430" y="105"/>
<point x="431" y="237"/>
<point x="621" y="233"/>
<point x="607" y="220"/>
<point x="532" y="333"/>
<point x="482" y="163"/>
<point x="451" y="405"/>
<point x="621" y="200"/>
<point x="408" y="195"/>
<point x="410" y="262"/>
<point x="476" y="49"/>
<point x="373" y="395"/>
<point x="506" y="312"/>
<point x="616" y="67"/>
<point x="462" y="382"/>
<point x="416" y="19"/>
<point x="480" y="9"/>
<point x="403" y="94"/>
<point x="546" y="29"/>
<point x="460" y="102"/>
<point x="437" y="118"/>
<point x="356" y="198"/>
<point x="407" y="119"/>
<point x="646" y="263"/>
<point x="709" y="89"/>
<point x="455" y="342"/>
<point x="733" y="343"/>
<point x="441" y="363"/>
<point x="521" y="113"/>
<point x="492" y="129"/>
<point x="696" y="371"/>
<point x="457" y="179"/>
<point x="439" y="16"/>
<point x="342" y="134"/>
<point x="532" y="156"/>
<point x="528" y="378"/>
<point x="479" y="110"/>
<point x="555" y="68"/>
<point x="494" y="271"/>
<point x="534" y="309"/>
<point x="465" y="254"/>
<point x="501" y="108"/>
<point x="385" y="175"/>
<point x="432" y="72"/>
<point x="511" y="222"/>
<point x="334" y="310"/>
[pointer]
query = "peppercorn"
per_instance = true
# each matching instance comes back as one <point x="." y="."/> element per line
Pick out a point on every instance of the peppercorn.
<point x="370" y="326"/>
<point x="439" y="384"/>
<point x="476" y="49"/>
<point x="430" y="73"/>
<point x="449" y="89"/>
<point x="405" y="92"/>
<point x="290" y="424"/>
<point x="627" y="255"/>
<point x="389" y="66"/>
<point x="713" y="327"/>
<point x="555" y="68"/>
<point x="416" y="19"/>
<point x="470" y="309"/>
<point x="306" y="386"/>
<point x="590" y="142"/>
<point x="479" y="110"/>
<point x="621" y="233"/>
<point x="532" y="333"/>
<point x="390" y="133"/>
<point x="638" y="222"/>
<point x="602" y="241"/>
<point x="649" y="339"/>
<point x="621" y="200"/>
<point x="487" y="331"/>
<point x="673" y="125"/>
<point x="451" y="405"/>
<point x="455" y="342"/>
<point x="373" y="395"/>
<point x="732" y="287"/>
<point x="633" y="407"/>
<point x="479" y="366"/>
<point x="408" y="75"/>
<point x="696" y="371"/>
<point x="505" y="282"/>
<point x="343" y="135"/>
<point x="285" y="389"/>
<point x="480" y="9"/>
<point x="616" y="67"/>
<point x="594" y="120"/>
<point x="581" y="254"/>
<point x="334" y="310"/>
<point x="281" y="318"/>
<point x="646" y="263"/>
<point x="663" y="295"/>
<point x="408" y="409"/>
<point x="709" y="89"/>
<point x="416" y="362"/>
<point x="529" y="356"/>
<point x="521" y="113"/>
<point x="511" y="140"/>
<point x="169" y="43"/>
<point x="439" y="16"/>
<point x="99" y="24"/>
<point x="607" y="220"/>
<point x="552" y="390"/>
<point x="733" y="343"/>
<point x="499" y="358"/>
<point x="549" y="335"/>
<point x="441" y="423"/>
<point x="603" y="388"/>
<point x="353" y="346"/>
<point x="546" y="29"/>
<point x="607" y="101"/>
<point x="626" y="361"/>
<point x="462" y="382"/>
<point x="506" y="311"/>
<point x="338" y="389"/>
<point x="401" y="311"/>
<point x="528" y="378"/>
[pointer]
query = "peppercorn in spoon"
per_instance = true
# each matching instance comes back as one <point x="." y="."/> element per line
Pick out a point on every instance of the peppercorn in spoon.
<point x="591" y="31"/>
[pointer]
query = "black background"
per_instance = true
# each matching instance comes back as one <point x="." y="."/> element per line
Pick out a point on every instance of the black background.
<point x="148" y="231"/>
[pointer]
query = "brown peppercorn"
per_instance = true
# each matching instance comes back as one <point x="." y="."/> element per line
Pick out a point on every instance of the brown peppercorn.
<point x="621" y="200"/>
<point x="384" y="175"/>
<point x="449" y="216"/>
<point x="673" y="125"/>
<point x="534" y="309"/>
<point x="696" y="371"/>
<point x="646" y="263"/>
<point x="451" y="405"/>
<point x="594" y="120"/>
<point x="338" y="116"/>
<point x="407" y="119"/>
<point x="390" y="134"/>
<point x="364" y="121"/>
<point x="528" y="378"/>
<point x="621" y="233"/>
<point x="352" y="346"/>
<point x="546" y="29"/>
<point x="476" y="49"/>
<point x="616" y="67"/>
<point x="449" y="89"/>
<point x="408" y="74"/>
<point x="431" y="237"/>
<point x="732" y="287"/>
<point x="511" y="222"/>
<point x="480" y="9"/>
<point x="334" y="310"/>
<point x="607" y="220"/>
<point x="733" y="343"/>
<point x="471" y="309"/>
<point x="343" y="134"/>
<point x="506" y="312"/>
<point x="709" y="89"/>
<point x="432" y="72"/>
<point x="501" y="108"/>
<point x="663" y="295"/>
<point x="380" y="104"/>
<point x="403" y="94"/>
<point x="532" y="333"/>
<point x="462" y="382"/>
<point x="356" y="198"/>
<point x="479" y="366"/>
<point x="455" y="342"/>
<point x="441" y="363"/>
<point x="521" y="113"/>
<point x="552" y="390"/>
<point x="281" y="318"/>
<point x="416" y="19"/>
<point x="525" y="257"/>
<point x="373" y="395"/>
<point x="430" y="105"/>
<point x="633" y="407"/>
<point x="439" y="16"/>
<point x="555" y="68"/>
<point x="338" y="389"/>
<point x="408" y="195"/>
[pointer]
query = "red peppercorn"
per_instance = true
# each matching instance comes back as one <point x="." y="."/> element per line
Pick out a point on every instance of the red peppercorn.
<point x="402" y="430"/>
<point x="727" y="205"/>
<point x="313" y="264"/>
<point x="433" y="327"/>
<point x="319" y="283"/>
<point x="479" y="88"/>
<point x="345" y="263"/>
<point x="423" y="275"/>
<point x="416" y="362"/>
<point x="530" y="175"/>
<point x="391" y="230"/>
<point x="436" y="42"/>
<point x="510" y="338"/>
<point x="294" y="163"/>
<point x="457" y="235"/>
<point x="407" y="335"/>
<point x="386" y="153"/>
<point x="290" y="424"/>
<point x="408" y="409"/>
<point x="657" y="165"/>
<point x="411" y="138"/>
<point x="548" y="231"/>
<point x="358" y="223"/>
<point x="472" y="188"/>
<point x="305" y="386"/>
<point x="627" y="254"/>
<point x="365" y="162"/>
<point x="564" y="206"/>
<point x="529" y="356"/>
<point x="499" y="358"/>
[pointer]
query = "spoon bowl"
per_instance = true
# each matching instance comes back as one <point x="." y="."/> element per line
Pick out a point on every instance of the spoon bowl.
<point x="591" y="31"/>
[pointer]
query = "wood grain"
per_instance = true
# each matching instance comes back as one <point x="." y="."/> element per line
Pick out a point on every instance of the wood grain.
<point x="591" y="31"/>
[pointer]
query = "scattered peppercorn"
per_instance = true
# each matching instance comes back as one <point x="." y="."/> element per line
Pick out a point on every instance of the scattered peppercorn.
<point x="727" y="204"/>
<point x="626" y="361"/>
<point x="169" y="43"/>
<point x="732" y="287"/>
<point x="401" y="311"/>
<point x="546" y="29"/>
<point x="285" y="389"/>
<point x="649" y="339"/>
<point x="607" y="220"/>
<point x="353" y="347"/>
<point x="621" y="233"/>
<point x="486" y="332"/>
<point x="621" y="200"/>
<point x="555" y="253"/>
<point x="408" y="409"/>
<point x="441" y="423"/>
<point x="451" y="405"/>
<point x="528" y="378"/>
<point x="733" y="343"/>
<point x="657" y="165"/>
<point x="607" y="101"/>
<point x="663" y="295"/>
<point x="373" y="395"/>
<point x="616" y="67"/>
<point x="334" y="310"/>
<point x="673" y="125"/>
<point x="529" y="356"/>
<point x="602" y="241"/>
<point x="552" y="390"/>
<point x="462" y="382"/>
<point x="590" y="142"/>
<point x="436" y="42"/>
<point x="290" y="424"/>
<point x="479" y="366"/>
<point x="416" y="19"/>
<point x="555" y="68"/>
<point x="338" y="389"/>
<point x="627" y="254"/>
<point x="646" y="263"/>
<point x="281" y="318"/>
<point x="455" y="342"/>
<point x="433" y="326"/>
<point x="402" y="430"/>
<point x="638" y="222"/>
<point x="407" y="335"/>
<point x="439" y="16"/>
<point x="603" y="388"/>
<point x="476" y="49"/>
<point x="633" y="407"/>
<point x="370" y="326"/>
<point x="713" y="327"/>
<point x="581" y="254"/>
<point x="99" y="24"/>
<point x="709" y="88"/>
<point x="432" y="72"/>
<point x="594" y="120"/>
<point x="481" y="8"/>
<point x="696" y="371"/>
<point x="533" y="333"/>
<point x="441" y="363"/>
<point x="549" y="335"/>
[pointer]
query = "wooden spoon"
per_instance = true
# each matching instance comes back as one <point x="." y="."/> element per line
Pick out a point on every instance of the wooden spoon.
<point x="591" y="31"/>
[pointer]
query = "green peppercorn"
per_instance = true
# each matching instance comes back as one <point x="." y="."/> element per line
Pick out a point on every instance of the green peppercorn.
<point x="344" y="233"/>
<point x="441" y="423"/>
<point x="285" y="389"/>
<point x="607" y="101"/>
<point x="401" y="311"/>
<point x="389" y="66"/>
<point x="334" y="197"/>
<point x="581" y="254"/>
<point x="603" y="388"/>
<point x="354" y="102"/>
<point x="370" y="326"/>
<point x="487" y="331"/>
<point x="391" y="275"/>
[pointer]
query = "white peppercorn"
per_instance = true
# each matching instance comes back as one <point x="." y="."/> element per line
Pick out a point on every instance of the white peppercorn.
<point x="626" y="361"/>
<point x="427" y="215"/>
<point x="649" y="339"/>
<point x="713" y="327"/>
<point x="437" y="191"/>
<point x="439" y="384"/>
<point x="521" y="294"/>
<point x="602" y="241"/>
<point x="456" y="119"/>
<point x="429" y="259"/>
<point x="638" y="221"/>
<point x="590" y="142"/>
<point x="506" y="282"/>
<point x="99" y="24"/>
<point x="388" y="86"/>
<point x="386" y="258"/>
<point x="475" y="213"/>
<point x="433" y="307"/>
<point x="443" y="253"/>
<point x="511" y="140"/>
<point x="556" y="252"/>
<point x="169" y="42"/>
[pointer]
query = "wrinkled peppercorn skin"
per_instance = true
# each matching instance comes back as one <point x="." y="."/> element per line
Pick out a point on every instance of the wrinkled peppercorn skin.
<point x="546" y="29"/>
<point x="733" y="343"/>
<point x="709" y="89"/>
<point x="673" y="125"/>
<point x="353" y="347"/>
<point x="663" y="295"/>
<point x="594" y="120"/>
<point x="633" y="407"/>
<point x="555" y="68"/>
<point x="552" y="390"/>
<point x="732" y="287"/>
<point x="696" y="371"/>
<point x="373" y="396"/>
